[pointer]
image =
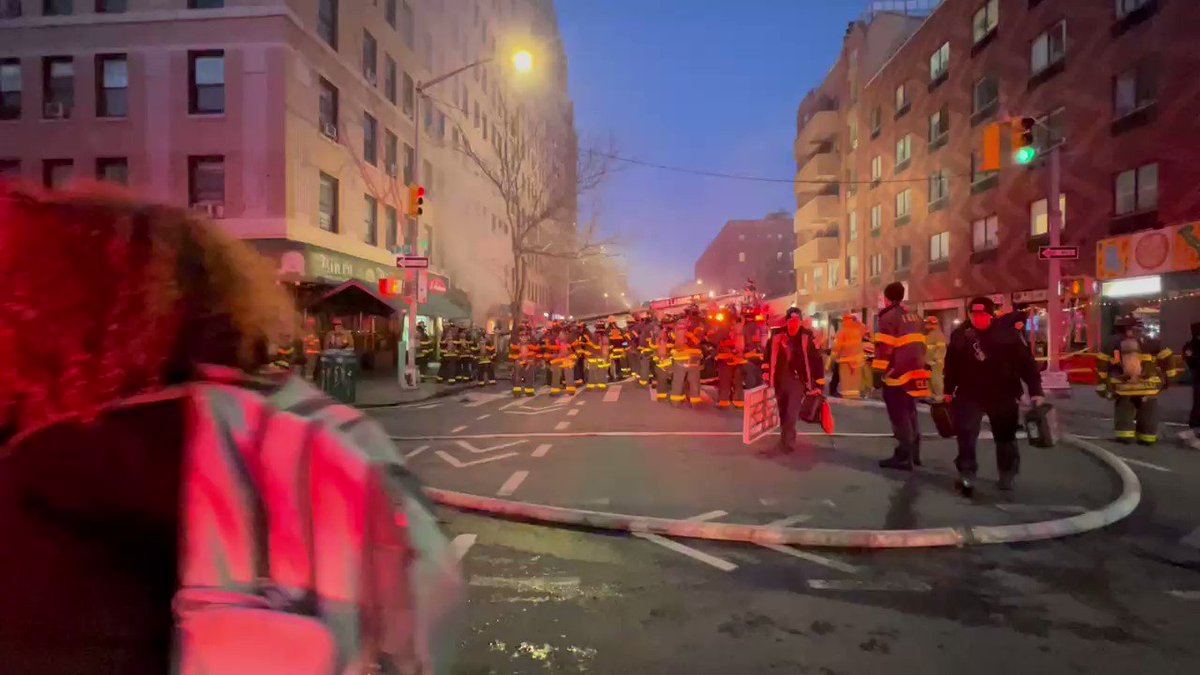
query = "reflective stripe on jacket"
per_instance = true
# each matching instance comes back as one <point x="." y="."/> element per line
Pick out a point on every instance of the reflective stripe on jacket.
<point x="900" y="350"/>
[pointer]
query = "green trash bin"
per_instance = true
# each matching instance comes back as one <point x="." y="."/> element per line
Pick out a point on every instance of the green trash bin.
<point x="339" y="374"/>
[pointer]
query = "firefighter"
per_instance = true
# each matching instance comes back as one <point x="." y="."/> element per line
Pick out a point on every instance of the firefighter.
<point x="618" y="346"/>
<point x="645" y="351"/>
<point x="312" y="349"/>
<point x="448" y="367"/>
<point x="579" y="347"/>
<point x="754" y="338"/>
<point x="660" y="355"/>
<point x="868" y="375"/>
<point x="486" y="366"/>
<point x="596" y="346"/>
<point x="935" y="358"/>
<point x="900" y="366"/>
<point x="848" y="357"/>
<point x="464" y="345"/>
<point x="339" y="337"/>
<point x="562" y="364"/>
<point x="424" y="348"/>
<point x="1133" y="370"/>
<point x="686" y="356"/>
<point x="728" y="339"/>
<point x="523" y="358"/>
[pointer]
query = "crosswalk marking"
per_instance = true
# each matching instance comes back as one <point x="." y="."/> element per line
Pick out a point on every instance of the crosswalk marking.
<point x="416" y="452"/>
<point x="561" y="426"/>
<point x="813" y="558"/>
<point x="541" y="450"/>
<point x="514" y="481"/>
<point x="572" y="412"/>
<point x="463" y="543"/>
<point x="790" y="520"/>
<point x="613" y="393"/>
<point x="696" y="554"/>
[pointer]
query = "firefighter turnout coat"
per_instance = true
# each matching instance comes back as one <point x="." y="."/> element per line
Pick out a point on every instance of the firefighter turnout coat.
<point x="900" y="351"/>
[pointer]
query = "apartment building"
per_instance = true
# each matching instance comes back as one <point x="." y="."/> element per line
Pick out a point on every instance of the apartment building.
<point x="294" y="122"/>
<point x="889" y="186"/>
<point x="758" y="250"/>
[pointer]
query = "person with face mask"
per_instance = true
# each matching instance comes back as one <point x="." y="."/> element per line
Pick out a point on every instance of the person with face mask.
<point x="900" y="367"/>
<point x="796" y="369"/>
<point x="986" y="362"/>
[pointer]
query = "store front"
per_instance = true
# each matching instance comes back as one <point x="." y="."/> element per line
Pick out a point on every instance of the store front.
<point x="949" y="313"/>
<point x="1153" y="276"/>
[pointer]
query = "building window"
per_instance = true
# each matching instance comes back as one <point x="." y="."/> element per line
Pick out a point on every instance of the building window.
<point x="10" y="167"/>
<point x="1137" y="190"/>
<point x="58" y="7"/>
<point x="835" y="272"/>
<point x="389" y="79"/>
<point x="328" y="104"/>
<point x="206" y="181"/>
<point x="206" y="4"/>
<point x="876" y="218"/>
<point x="741" y="256"/>
<point x="903" y="152"/>
<point x="876" y="121"/>
<point x="56" y="173"/>
<point x="371" y="236"/>
<point x="939" y="62"/>
<point x="852" y="226"/>
<point x="410" y="95"/>
<point x="10" y="89"/>
<point x="327" y="21"/>
<point x="818" y="278"/>
<point x="1048" y="48"/>
<point x="111" y="6"/>
<point x="206" y="72"/>
<point x="389" y="12"/>
<point x="852" y="268"/>
<point x="852" y="131"/>
<point x="112" y="86"/>
<point x="939" y="126"/>
<point x="58" y="87"/>
<point x="903" y="257"/>
<point x="1126" y="7"/>
<point x="985" y="234"/>
<point x="370" y="57"/>
<point x="370" y="140"/>
<point x="978" y="175"/>
<point x="1039" y="217"/>
<point x="985" y="21"/>
<point x="407" y="23"/>
<point x="327" y="206"/>
<point x="391" y="223"/>
<point x="939" y="186"/>
<point x="901" y="99"/>
<point x="1133" y="90"/>
<point x="986" y="96"/>
<point x="876" y="169"/>
<point x="410" y="165"/>
<point x="390" y="145"/>
<point x="875" y="265"/>
<point x="939" y="247"/>
<point x="903" y="206"/>
<point x="113" y="170"/>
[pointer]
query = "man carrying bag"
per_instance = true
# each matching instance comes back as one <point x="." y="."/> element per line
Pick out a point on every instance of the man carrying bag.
<point x="796" y="376"/>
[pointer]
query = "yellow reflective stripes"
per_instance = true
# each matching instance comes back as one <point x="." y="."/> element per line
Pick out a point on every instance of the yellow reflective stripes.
<point x="1125" y="434"/>
<point x="1102" y="357"/>
<point x="1147" y="438"/>
<point x="1165" y="353"/>
<point x="821" y="381"/>
<point x="908" y="377"/>
<point x="678" y="399"/>
<point x="910" y="339"/>
<point x="880" y="364"/>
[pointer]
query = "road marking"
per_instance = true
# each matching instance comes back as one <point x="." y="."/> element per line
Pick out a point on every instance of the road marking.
<point x="1192" y="539"/>
<point x="613" y="393"/>
<point x="479" y="451"/>
<point x="429" y="406"/>
<point x="1039" y="508"/>
<point x="813" y="558"/>
<point x="482" y="417"/>
<point x="532" y="411"/>
<point x="416" y="452"/>
<point x="1185" y="595"/>
<point x="561" y="426"/>
<point x="457" y="429"/>
<point x="868" y="585"/>
<point x="572" y="412"/>
<point x="541" y="450"/>
<point x="453" y="461"/>
<point x="580" y="401"/>
<point x="711" y="515"/>
<point x="463" y="543"/>
<point x="514" y="402"/>
<point x="1148" y="465"/>
<point x="790" y="520"/>
<point x="719" y="563"/>
<point x="514" y="481"/>
<point x="483" y="399"/>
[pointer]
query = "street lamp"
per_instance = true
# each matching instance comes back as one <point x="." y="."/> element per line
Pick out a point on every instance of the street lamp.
<point x="523" y="61"/>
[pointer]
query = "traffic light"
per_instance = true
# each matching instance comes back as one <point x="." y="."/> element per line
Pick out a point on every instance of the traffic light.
<point x="389" y="288"/>
<point x="416" y="200"/>
<point x="1022" y="140"/>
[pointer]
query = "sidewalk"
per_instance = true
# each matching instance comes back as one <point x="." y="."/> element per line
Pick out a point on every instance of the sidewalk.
<point x="378" y="391"/>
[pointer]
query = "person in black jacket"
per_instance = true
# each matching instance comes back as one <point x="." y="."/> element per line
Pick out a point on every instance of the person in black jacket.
<point x="796" y="369"/>
<point x="1191" y="356"/>
<point x="986" y="362"/>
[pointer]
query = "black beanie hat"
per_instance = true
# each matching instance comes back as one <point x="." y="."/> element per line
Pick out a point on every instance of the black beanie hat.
<point x="982" y="304"/>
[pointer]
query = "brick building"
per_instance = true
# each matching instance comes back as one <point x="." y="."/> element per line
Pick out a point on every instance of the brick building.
<point x="751" y="249"/>
<point x="898" y="123"/>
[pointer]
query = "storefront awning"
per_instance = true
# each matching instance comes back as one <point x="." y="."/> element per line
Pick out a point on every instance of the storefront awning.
<point x="353" y="297"/>
<point x="440" y="305"/>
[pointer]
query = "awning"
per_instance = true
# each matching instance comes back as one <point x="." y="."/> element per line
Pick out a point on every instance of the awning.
<point x="440" y="305"/>
<point x="353" y="297"/>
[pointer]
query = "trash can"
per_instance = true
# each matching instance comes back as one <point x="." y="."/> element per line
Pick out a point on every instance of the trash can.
<point x="339" y="374"/>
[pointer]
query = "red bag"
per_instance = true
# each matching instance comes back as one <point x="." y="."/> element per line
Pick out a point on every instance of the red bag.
<point x="813" y="407"/>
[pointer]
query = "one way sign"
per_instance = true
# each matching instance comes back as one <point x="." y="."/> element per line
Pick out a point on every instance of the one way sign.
<point x="1058" y="252"/>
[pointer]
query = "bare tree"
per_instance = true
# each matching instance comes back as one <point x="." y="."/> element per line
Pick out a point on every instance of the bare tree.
<point x="540" y="185"/>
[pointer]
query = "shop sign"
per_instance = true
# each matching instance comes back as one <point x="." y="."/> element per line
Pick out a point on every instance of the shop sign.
<point x="1154" y="252"/>
<point x="339" y="267"/>
<point x="1025" y="297"/>
<point x="438" y="284"/>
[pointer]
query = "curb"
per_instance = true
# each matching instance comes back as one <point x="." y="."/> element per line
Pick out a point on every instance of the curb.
<point x="437" y="394"/>
<point x="1122" y="506"/>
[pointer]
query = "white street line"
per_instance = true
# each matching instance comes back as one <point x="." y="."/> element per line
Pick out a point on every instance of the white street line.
<point x="1039" y="508"/>
<point x="453" y="461"/>
<point x="1185" y="595"/>
<point x="613" y="393"/>
<point x="599" y="501"/>
<point x="514" y="481"/>
<point x="532" y="411"/>
<point x="572" y="412"/>
<point x="790" y="520"/>
<point x="719" y="563"/>
<point x="561" y="426"/>
<point x="813" y="558"/>
<point x="868" y="585"/>
<point x="416" y="452"/>
<point x="482" y="417"/>
<point x="429" y="406"/>
<point x="483" y="399"/>
<point x="463" y="543"/>
<point x="1192" y="539"/>
<point x="457" y="429"/>
<point x="514" y="402"/>
<point x="479" y="451"/>
<point x="541" y="450"/>
<point x="580" y="401"/>
<point x="1148" y="465"/>
<point x="711" y="515"/>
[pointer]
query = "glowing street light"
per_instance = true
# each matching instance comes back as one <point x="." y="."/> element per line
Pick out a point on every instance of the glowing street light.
<point x="523" y="61"/>
<point x="699" y="282"/>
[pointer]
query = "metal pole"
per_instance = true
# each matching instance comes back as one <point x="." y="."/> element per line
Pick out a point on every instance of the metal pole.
<point x="1053" y="297"/>
<point x="412" y="379"/>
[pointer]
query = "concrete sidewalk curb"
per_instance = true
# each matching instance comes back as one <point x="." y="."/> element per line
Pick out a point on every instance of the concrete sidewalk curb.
<point x="1131" y="495"/>
<point x="441" y="393"/>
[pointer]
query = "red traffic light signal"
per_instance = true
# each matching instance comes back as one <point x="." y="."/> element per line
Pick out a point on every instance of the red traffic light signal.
<point x="389" y="287"/>
<point x="416" y="200"/>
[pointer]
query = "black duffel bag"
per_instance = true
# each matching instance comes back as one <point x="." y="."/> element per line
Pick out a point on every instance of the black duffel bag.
<point x="943" y="419"/>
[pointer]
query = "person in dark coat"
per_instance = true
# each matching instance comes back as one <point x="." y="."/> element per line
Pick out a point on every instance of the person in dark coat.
<point x="987" y="361"/>
<point x="1191" y="357"/>
<point x="796" y="369"/>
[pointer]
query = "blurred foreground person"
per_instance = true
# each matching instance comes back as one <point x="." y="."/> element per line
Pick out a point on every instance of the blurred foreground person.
<point x="164" y="511"/>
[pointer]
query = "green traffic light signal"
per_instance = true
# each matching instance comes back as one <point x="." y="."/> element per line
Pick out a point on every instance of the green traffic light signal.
<point x="1025" y="155"/>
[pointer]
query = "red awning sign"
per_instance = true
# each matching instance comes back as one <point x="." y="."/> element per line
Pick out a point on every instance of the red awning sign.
<point x="437" y="284"/>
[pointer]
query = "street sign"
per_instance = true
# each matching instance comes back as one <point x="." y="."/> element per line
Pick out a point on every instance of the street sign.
<point x="422" y="287"/>
<point x="412" y="262"/>
<point x="1058" y="252"/>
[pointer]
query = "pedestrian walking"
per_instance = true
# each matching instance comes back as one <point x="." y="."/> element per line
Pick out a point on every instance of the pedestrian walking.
<point x="1191" y="358"/>
<point x="900" y="366"/>
<point x="795" y="371"/>
<point x="987" y="361"/>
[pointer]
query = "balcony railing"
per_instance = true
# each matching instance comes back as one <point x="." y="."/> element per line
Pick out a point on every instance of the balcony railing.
<point x="817" y="211"/>
<point x="816" y="251"/>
